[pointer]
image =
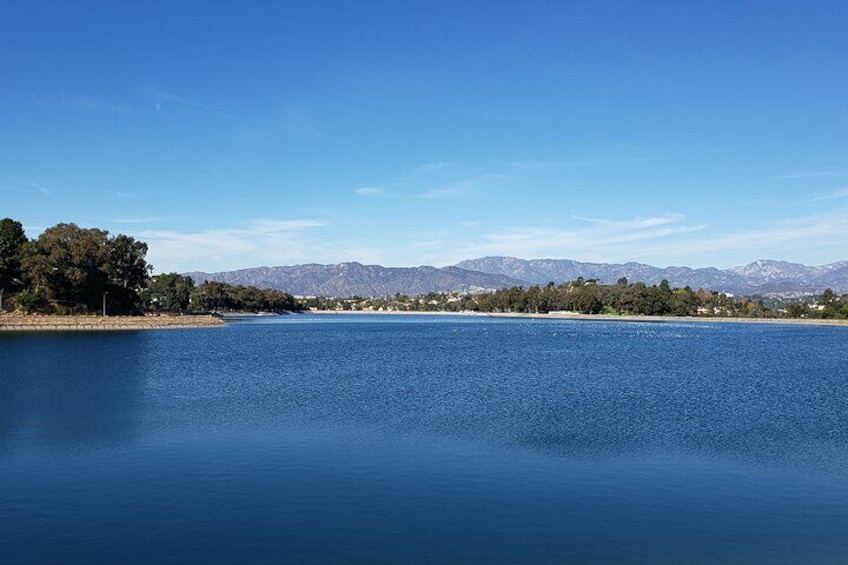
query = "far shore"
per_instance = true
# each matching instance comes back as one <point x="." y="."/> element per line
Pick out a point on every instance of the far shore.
<point x="599" y="317"/>
<point x="40" y="322"/>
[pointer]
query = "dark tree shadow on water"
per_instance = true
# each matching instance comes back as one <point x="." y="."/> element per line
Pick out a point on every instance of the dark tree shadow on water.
<point x="70" y="391"/>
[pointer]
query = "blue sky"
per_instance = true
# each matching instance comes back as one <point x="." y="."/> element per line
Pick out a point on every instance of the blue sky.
<point x="229" y="135"/>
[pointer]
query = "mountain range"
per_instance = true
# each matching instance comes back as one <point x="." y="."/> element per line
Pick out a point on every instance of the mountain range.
<point x="355" y="279"/>
<point x="763" y="277"/>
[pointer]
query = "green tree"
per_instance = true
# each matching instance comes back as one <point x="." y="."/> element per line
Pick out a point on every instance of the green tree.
<point x="169" y="292"/>
<point x="12" y="243"/>
<point x="76" y="268"/>
<point x="831" y="303"/>
<point x="658" y="300"/>
<point x="587" y="299"/>
<point x="125" y="264"/>
<point x="209" y="296"/>
<point x="684" y="302"/>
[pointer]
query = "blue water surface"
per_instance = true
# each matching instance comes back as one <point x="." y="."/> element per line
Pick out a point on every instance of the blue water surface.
<point x="410" y="439"/>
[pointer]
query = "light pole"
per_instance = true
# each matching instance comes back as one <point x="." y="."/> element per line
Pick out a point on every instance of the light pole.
<point x="104" y="303"/>
<point x="1" y="299"/>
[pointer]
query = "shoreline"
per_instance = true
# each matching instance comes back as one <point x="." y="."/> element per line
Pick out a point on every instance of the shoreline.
<point x="599" y="317"/>
<point x="41" y="323"/>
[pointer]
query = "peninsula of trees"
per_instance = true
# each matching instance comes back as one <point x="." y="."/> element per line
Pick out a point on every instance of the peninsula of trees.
<point x="74" y="270"/>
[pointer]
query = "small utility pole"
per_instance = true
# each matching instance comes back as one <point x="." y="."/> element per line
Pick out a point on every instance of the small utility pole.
<point x="104" y="303"/>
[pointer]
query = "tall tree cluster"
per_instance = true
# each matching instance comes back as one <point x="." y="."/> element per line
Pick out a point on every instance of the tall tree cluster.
<point x="74" y="270"/>
<point x="12" y="242"/>
<point x="69" y="269"/>
<point x="170" y="293"/>
<point x="174" y="293"/>
<point x="589" y="297"/>
<point x="216" y="296"/>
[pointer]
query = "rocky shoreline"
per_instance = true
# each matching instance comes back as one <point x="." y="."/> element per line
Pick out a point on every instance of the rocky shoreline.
<point x="36" y="322"/>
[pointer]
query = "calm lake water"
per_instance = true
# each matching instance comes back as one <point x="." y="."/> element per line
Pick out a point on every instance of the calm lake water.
<point x="360" y="439"/>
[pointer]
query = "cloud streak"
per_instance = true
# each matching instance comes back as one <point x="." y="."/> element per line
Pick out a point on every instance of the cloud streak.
<point x="464" y="187"/>
<point x="666" y="239"/>
<point x="670" y="237"/>
<point x="811" y="175"/>
<point x="435" y="167"/>
<point x="633" y="223"/>
<point x="834" y="195"/>
<point x="163" y="96"/>
<point x="258" y="241"/>
<point x="448" y="183"/>
<point x="806" y="235"/>
<point x="39" y="188"/>
<point x="589" y="243"/>
<point x="140" y="220"/>
<point x="370" y="191"/>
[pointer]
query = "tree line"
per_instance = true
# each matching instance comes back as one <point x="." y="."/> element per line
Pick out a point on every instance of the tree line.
<point x="73" y="270"/>
<point x="173" y="293"/>
<point x="590" y="297"/>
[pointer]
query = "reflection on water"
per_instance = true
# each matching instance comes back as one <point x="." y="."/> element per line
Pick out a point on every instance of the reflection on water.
<point x="69" y="391"/>
<point x="404" y="439"/>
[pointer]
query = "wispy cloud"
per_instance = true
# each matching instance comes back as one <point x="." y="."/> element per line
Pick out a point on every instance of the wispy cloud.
<point x="164" y="96"/>
<point x="465" y="187"/>
<point x="668" y="239"/>
<point x="371" y="191"/>
<point x="92" y="103"/>
<point x="599" y="239"/>
<point x="807" y="235"/>
<point x="299" y="120"/>
<point x="273" y="226"/>
<point x="579" y="162"/>
<point x="811" y="174"/>
<point x="633" y="223"/>
<point x="75" y="100"/>
<point x="39" y="188"/>
<point x="258" y="241"/>
<point x="140" y="220"/>
<point x="662" y="239"/>
<point x="833" y="195"/>
<point x="433" y="168"/>
<point x="439" y="180"/>
<point x="535" y="165"/>
<point x="814" y="238"/>
<point x="434" y="181"/>
<point x="13" y="184"/>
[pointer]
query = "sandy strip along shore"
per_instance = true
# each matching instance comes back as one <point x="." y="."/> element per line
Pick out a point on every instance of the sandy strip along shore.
<point x="35" y="322"/>
<point x="605" y="317"/>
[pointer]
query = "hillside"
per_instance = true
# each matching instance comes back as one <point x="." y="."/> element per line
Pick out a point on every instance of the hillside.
<point x="765" y="277"/>
<point x="759" y="277"/>
<point x="349" y="279"/>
